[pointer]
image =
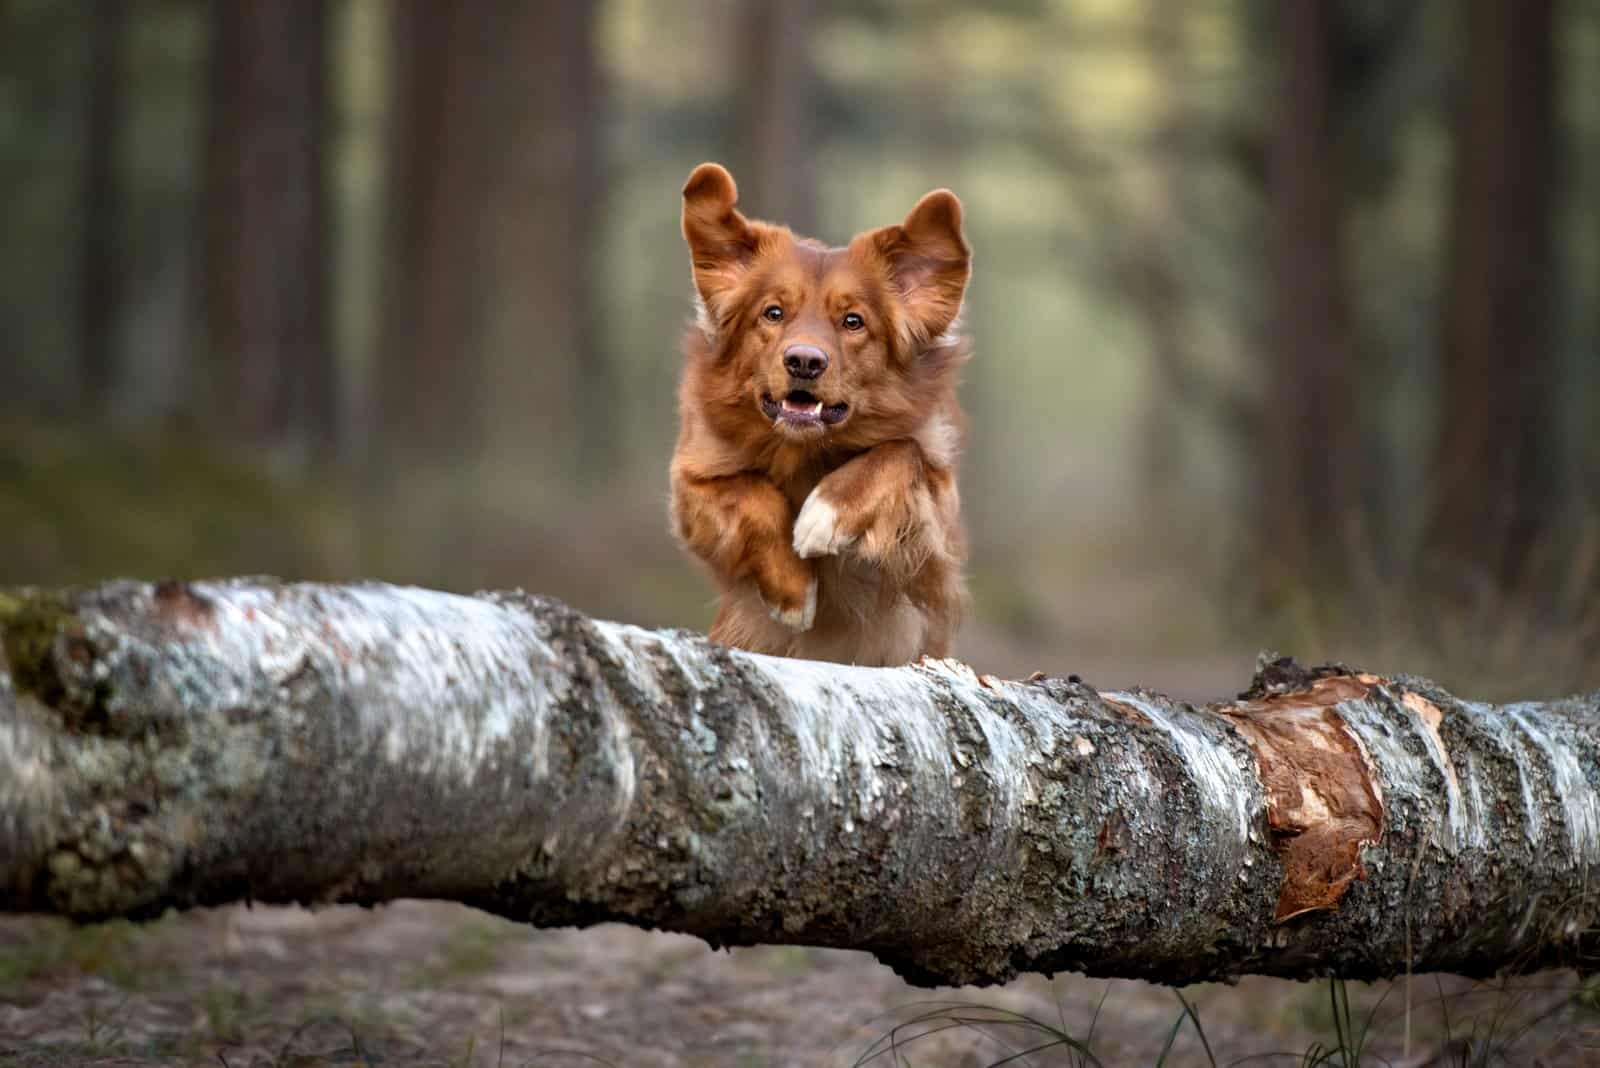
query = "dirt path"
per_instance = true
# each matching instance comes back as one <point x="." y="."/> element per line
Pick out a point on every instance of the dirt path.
<point x="429" y="984"/>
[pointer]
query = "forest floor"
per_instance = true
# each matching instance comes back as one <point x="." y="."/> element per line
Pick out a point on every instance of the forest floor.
<point x="422" y="983"/>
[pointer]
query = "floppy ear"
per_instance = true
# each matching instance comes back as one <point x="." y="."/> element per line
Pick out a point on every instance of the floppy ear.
<point x="722" y="243"/>
<point x="929" y="264"/>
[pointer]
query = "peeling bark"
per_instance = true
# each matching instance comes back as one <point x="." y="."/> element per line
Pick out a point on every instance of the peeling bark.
<point x="178" y="745"/>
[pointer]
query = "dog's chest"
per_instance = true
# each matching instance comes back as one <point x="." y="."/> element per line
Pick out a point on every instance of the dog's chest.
<point x="862" y="617"/>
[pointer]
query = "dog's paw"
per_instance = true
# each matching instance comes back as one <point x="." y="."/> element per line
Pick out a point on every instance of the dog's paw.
<point x="801" y="616"/>
<point x="816" y="529"/>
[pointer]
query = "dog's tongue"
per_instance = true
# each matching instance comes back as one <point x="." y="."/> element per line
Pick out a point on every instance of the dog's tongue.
<point x="802" y="403"/>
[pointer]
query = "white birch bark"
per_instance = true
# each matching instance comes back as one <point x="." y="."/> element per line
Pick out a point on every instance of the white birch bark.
<point x="202" y="743"/>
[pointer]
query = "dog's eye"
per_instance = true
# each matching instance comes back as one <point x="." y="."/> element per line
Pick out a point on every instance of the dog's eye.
<point x="773" y="314"/>
<point x="852" y="321"/>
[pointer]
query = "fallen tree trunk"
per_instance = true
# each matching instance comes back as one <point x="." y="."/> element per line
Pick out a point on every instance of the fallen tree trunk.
<point x="188" y="744"/>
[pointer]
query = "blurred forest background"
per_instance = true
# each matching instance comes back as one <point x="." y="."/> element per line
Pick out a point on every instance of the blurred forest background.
<point x="1287" y="324"/>
<point x="1287" y="315"/>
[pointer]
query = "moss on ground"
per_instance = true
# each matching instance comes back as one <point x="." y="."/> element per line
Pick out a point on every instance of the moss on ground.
<point x="76" y="508"/>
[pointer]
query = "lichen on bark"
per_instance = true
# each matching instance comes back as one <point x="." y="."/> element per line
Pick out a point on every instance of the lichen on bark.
<point x="30" y="623"/>
<point x="197" y="743"/>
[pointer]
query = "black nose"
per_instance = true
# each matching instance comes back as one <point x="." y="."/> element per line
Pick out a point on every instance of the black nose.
<point x="805" y="361"/>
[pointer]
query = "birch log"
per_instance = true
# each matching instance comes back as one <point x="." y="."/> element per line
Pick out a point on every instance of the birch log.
<point x="192" y="744"/>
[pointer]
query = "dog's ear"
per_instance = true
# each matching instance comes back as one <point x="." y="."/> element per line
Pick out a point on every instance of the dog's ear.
<point x="722" y="242"/>
<point x="929" y="263"/>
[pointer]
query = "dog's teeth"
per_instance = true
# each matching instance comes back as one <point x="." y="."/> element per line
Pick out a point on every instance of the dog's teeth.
<point x="813" y="408"/>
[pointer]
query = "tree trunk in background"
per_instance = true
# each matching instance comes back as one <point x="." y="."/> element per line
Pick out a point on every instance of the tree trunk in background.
<point x="1149" y="272"/>
<point x="192" y="744"/>
<point x="553" y="393"/>
<point x="570" y="108"/>
<point x="266" y="223"/>
<point x="427" y="370"/>
<point x="495" y="193"/>
<point x="101" y="267"/>
<point x="1496" y="466"/>
<point x="1310" y="449"/>
<point x="775" y="162"/>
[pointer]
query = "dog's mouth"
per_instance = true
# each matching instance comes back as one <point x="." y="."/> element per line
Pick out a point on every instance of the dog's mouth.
<point x="798" y="408"/>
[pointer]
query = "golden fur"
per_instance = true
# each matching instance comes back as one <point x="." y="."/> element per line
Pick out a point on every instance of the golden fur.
<point x="824" y="504"/>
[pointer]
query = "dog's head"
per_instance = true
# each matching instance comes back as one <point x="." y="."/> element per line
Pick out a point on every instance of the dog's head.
<point x="844" y="346"/>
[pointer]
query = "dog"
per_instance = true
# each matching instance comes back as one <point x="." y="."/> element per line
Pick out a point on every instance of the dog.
<point x="814" y="471"/>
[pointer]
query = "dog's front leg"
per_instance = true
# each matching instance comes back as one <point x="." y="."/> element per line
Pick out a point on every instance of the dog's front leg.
<point x="740" y="525"/>
<point x="889" y="506"/>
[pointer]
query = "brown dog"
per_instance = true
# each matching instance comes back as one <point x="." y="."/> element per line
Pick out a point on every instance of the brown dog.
<point x="814" y="471"/>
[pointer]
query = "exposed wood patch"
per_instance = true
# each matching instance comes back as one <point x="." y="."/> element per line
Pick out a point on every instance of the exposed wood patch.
<point x="1124" y="708"/>
<point x="1430" y="717"/>
<point x="182" y="603"/>
<point x="1322" y="798"/>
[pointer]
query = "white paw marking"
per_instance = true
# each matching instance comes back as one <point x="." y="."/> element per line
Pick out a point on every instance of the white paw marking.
<point x="816" y="528"/>
<point x="798" y="618"/>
